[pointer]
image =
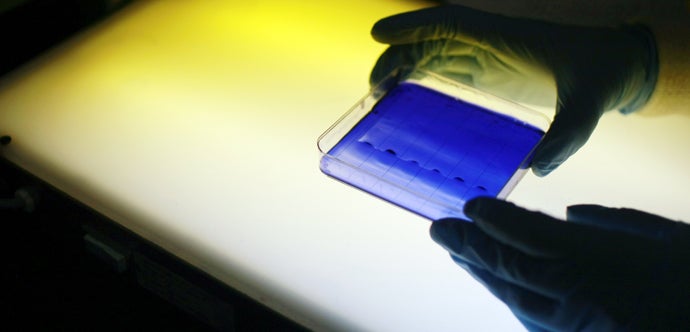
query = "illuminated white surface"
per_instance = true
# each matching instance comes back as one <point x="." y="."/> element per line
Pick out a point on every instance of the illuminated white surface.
<point x="194" y="124"/>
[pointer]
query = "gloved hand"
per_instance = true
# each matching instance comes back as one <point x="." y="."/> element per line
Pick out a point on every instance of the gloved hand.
<point x="594" y="69"/>
<point x="605" y="269"/>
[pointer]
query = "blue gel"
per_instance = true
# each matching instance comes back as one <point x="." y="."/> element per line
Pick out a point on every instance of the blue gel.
<point x="430" y="153"/>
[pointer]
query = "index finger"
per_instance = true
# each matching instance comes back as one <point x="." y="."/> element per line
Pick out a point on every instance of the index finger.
<point x="427" y="24"/>
<point x="543" y="236"/>
<point x="528" y="231"/>
<point x="478" y="28"/>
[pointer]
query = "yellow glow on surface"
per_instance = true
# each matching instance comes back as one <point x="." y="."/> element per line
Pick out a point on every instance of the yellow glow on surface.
<point x="194" y="124"/>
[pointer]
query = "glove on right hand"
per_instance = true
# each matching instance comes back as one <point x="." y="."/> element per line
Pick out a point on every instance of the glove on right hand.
<point x="595" y="68"/>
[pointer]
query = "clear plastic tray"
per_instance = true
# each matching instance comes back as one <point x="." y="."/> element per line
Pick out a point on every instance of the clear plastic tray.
<point x="429" y="144"/>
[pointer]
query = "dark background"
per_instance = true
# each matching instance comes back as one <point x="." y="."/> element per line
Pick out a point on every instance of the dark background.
<point x="50" y="280"/>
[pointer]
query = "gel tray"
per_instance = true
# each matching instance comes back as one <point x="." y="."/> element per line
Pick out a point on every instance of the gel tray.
<point x="429" y="152"/>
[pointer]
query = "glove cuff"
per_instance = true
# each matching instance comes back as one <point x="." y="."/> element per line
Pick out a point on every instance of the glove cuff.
<point x="672" y="89"/>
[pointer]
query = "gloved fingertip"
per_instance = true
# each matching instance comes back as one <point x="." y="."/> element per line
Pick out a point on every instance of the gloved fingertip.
<point x="544" y="162"/>
<point x="386" y="27"/>
<point x="445" y="231"/>
<point x="476" y="207"/>
<point x="586" y="211"/>
<point x="554" y="149"/>
<point x="584" y="208"/>
<point x="542" y="171"/>
<point x="376" y="30"/>
<point x="472" y="207"/>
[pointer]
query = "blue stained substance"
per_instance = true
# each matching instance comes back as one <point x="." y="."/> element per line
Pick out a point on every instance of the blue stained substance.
<point x="430" y="153"/>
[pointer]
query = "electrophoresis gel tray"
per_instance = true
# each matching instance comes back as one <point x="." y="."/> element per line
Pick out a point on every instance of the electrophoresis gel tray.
<point x="426" y="144"/>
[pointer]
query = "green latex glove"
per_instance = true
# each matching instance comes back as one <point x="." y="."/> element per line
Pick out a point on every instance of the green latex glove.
<point x="593" y="69"/>
<point x="604" y="270"/>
